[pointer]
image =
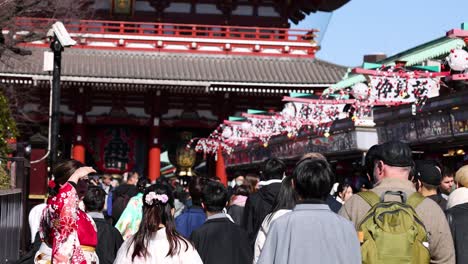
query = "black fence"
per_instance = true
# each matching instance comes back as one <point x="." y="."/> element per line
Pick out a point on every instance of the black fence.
<point x="11" y="222"/>
<point x="13" y="205"/>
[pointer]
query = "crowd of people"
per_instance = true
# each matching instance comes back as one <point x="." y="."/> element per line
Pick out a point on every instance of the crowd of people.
<point x="404" y="211"/>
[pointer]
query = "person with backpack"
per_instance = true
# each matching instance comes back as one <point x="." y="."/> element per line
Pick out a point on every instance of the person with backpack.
<point x="311" y="233"/>
<point x="395" y="223"/>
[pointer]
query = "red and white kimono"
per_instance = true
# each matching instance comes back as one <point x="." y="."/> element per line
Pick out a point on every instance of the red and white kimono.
<point x="70" y="231"/>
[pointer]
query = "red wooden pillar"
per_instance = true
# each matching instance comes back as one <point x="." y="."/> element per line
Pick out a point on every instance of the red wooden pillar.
<point x="220" y="168"/>
<point x="79" y="151"/>
<point x="154" y="156"/>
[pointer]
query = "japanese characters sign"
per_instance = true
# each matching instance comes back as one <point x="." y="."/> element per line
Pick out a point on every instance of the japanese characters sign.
<point x="403" y="90"/>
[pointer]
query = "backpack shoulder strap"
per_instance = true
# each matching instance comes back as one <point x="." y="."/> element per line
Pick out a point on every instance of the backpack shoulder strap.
<point x="370" y="197"/>
<point x="415" y="199"/>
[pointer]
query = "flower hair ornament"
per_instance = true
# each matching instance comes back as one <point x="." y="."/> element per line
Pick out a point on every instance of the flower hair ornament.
<point x="152" y="196"/>
<point x="51" y="184"/>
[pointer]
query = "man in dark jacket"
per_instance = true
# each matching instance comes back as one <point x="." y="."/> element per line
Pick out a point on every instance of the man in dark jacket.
<point x="219" y="240"/>
<point x="259" y="204"/>
<point x="428" y="176"/>
<point x="109" y="238"/>
<point x="457" y="215"/>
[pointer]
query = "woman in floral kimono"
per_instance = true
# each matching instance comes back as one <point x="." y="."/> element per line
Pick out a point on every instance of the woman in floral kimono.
<point x="157" y="240"/>
<point x="68" y="234"/>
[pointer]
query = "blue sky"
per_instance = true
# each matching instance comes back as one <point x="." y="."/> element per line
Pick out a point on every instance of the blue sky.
<point x="383" y="26"/>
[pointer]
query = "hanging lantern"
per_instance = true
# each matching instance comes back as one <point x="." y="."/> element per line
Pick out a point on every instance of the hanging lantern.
<point x="360" y="91"/>
<point x="227" y="132"/>
<point x="458" y="60"/>
<point x="289" y="110"/>
<point x="246" y="126"/>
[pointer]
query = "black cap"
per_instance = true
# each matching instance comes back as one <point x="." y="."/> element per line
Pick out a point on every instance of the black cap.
<point x="396" y="154"/>
<point x="428" y="172"/>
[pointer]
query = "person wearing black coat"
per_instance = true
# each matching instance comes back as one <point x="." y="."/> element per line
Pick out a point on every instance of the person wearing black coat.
<point x="259" y="204"/>
<point x="457" y="217"/>
<point x="219" y="240"/>
<point x="109" y="238"/>
<point x="121" y="195"/>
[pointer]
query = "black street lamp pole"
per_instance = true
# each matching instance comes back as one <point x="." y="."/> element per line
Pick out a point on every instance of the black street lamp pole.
<point x="57" y="48"/>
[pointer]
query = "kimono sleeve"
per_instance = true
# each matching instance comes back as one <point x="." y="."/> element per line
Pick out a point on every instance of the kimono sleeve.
<point x="270" y="249"/>
<point x="128" y="220"/>
<point x="191" y="256"/>
<point x="64" y="208"/>
<point x="124" y="255"/>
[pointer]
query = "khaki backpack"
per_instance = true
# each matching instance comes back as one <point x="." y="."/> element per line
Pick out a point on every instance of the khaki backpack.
<point x="391" y="232"/>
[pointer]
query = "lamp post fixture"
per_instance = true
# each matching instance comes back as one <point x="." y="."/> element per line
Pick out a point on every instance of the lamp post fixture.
<point x="57" y="49"/>
<point x="60" y="40"/>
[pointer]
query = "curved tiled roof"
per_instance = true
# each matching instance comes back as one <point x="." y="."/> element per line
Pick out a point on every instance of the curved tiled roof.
<point x="182" y="67"/>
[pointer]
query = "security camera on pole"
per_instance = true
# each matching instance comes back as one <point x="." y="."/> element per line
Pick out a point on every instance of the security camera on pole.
<point x="60" y="40"/>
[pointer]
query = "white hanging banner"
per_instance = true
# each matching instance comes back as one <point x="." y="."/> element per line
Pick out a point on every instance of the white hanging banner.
<point x="315" y="114"/>
<point x="387" y="89"/>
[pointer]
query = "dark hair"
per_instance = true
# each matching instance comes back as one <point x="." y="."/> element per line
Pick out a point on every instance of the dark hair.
<point x="62" y="172"/>
<point x="237" y="174"/>
<point x="251" y="180"/>
<point x="141" y="185"/>
<point x="214" y="196"/>
<point x="180" y="193"/>
<point x="313" y="179"/>
<point x="94" y="199"/>
<point x="153" y="215"/>
<point x="133" y="174"/>
<point x="196" y="189"/>
<point x="448" y="172"/>
<point x="362" y="182"/>
<point x="82" y="188"/>
<point x="274" y="169"/>
<point x="395" y="154"/>
<point x="286" y="198"/>
<point x="369" y="161"/>
<point x="342" y="187"/>
<point x="242" y="190"/>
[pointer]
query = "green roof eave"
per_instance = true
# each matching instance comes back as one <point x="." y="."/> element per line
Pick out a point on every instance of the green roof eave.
<point x="414" y="56"/>
<point x="298" y="95"/>
<point x="430" y="50"/>
<point x="256" y="112"/>
<point x="350" y="81"/>
<point x="236" y="118"/>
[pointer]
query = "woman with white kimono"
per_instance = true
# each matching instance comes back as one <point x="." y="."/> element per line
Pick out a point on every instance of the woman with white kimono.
<point x="157" y="240"/>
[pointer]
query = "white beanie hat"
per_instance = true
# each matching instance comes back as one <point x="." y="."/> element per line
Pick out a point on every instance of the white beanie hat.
<point x="459" y="196"/>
